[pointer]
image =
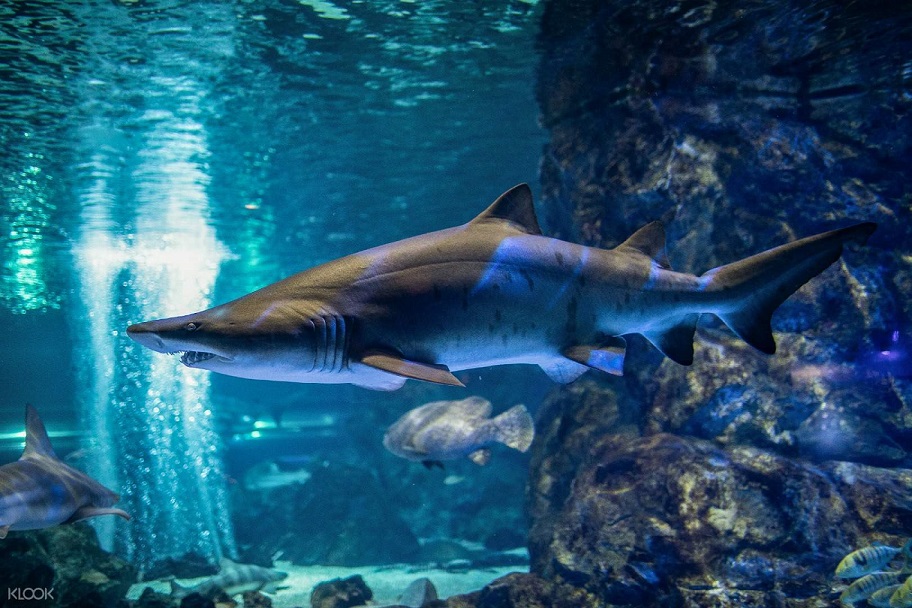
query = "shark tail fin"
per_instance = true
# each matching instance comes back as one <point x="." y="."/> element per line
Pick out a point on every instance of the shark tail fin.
<point x="752" y="289"/>
<point x="514" y="428"/>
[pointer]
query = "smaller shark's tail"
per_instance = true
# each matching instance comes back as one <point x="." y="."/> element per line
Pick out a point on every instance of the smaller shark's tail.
<point x="514" y="428"/>
<point x="753" y="288"/>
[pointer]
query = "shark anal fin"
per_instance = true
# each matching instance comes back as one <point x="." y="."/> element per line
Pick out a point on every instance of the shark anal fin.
<point x="480" y="457"/>
<point x="36" y="438"/>
<point x="429" y="372"/>
<point x="676" y="342"/>
<point x="608" y="358"/>
<point x="90" y="511"/>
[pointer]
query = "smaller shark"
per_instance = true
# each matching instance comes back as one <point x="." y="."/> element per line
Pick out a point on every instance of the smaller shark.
<point x="233" y="579"/>
<point x="40" y="491"/>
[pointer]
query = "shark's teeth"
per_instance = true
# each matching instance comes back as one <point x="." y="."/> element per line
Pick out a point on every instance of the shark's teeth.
<point x="193" y="357"/>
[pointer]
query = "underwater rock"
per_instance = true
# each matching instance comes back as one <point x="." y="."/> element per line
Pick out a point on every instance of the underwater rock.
<point x="150" y="598"/>
<point x="341" y="593"/>
<point x="340" y="517"/>
<point x="522" y="590"/>
<point x="661" y="517"/>
<point x="196" y="600"/>
<point x="69" y="559"/>
<point x="255" y="599"/>
<point x="754" y="122"/>
<point x="188" y="565"/>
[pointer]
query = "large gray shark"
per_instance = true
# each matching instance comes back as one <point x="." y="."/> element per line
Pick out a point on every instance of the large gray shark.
<point x="490" y="292"/>
<point x="40" y="491"/>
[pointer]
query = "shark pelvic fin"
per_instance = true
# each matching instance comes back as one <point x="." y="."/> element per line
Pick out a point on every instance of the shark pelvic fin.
<point x="563" y="370"/>
<point x="36" y="438"/>
<point x="608" y="358"/>
<point x="429" y="372"/>
<point x="676" y="342"/>
<point x="515" y="206"/>
<point x="649" y="240"/>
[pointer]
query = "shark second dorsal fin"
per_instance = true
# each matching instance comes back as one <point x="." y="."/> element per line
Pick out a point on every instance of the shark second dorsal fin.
<point x="36" y="439"/>
<point x="649" y="240"/>
<point x="515" y="206"/>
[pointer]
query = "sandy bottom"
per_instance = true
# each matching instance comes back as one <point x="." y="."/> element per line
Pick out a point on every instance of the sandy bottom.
<point x="387" y="582"/>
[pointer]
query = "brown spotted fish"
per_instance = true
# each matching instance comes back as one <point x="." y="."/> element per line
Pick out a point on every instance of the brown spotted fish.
<point x="446" y="430"/>
<point x="40" y="491"/>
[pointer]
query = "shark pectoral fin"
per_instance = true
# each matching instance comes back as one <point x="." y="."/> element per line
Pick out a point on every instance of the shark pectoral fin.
<point x="480" y="457"/>
<point x="90" y="511"/>
<point x="270" y="587"/>
<point x="676" y="342"/>
<point x="608" y="358"/>
<point x="429" y="372"/>
<point x="4" y="530"/>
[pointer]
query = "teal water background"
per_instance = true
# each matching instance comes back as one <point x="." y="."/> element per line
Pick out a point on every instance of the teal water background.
<point x="163" y="156"/>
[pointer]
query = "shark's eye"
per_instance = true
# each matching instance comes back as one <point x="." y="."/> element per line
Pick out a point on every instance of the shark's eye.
<point x="191" y="326"/>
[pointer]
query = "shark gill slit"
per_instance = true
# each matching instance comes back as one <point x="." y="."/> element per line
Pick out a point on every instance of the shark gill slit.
<point x="331" y="349"/>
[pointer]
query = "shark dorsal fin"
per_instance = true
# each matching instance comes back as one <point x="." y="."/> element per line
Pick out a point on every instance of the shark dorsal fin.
<point x="226" y="564"/>
<point x="36" y="439"/>
<point x="649" y="240"/>
<point x="515" y="206"/>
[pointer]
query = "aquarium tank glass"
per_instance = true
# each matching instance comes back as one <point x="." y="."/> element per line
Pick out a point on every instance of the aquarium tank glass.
<point x="421" y="303"/>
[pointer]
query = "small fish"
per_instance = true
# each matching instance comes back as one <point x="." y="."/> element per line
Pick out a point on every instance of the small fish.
<point x="233" y="579"/>
<point x="39" y="490"/>
<point x="864" y="587"/>
<point x="446" y="430"/>
<point x="267" y="475"/>
<point x="881" y="597"/>
<point x="902" y="597"/>
<point x="865" y="561"/>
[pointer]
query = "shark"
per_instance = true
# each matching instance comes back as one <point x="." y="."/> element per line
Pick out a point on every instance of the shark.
<point x="233" y="578"/>
<point x="492" y="291"/>
<point x="40" y="491"/>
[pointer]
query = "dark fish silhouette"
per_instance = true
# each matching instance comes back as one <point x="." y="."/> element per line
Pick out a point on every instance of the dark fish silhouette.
<point x="39" y="490"/>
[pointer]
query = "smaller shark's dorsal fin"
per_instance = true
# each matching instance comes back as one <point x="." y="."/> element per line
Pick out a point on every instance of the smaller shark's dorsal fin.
<point x="649" y="240"/>
<point x="226" y="564"/>
<point x="36" y="439"/>
<point x="515" y="206"/>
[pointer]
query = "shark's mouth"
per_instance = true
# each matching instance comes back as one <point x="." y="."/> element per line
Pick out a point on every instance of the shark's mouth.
<point x="192" y="357"/>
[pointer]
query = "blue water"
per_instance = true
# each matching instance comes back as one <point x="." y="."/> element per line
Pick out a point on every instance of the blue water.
<point x="160" y="157"/>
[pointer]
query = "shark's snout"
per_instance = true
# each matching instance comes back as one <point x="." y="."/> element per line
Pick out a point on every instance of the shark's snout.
<point x="147" y="335"/>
